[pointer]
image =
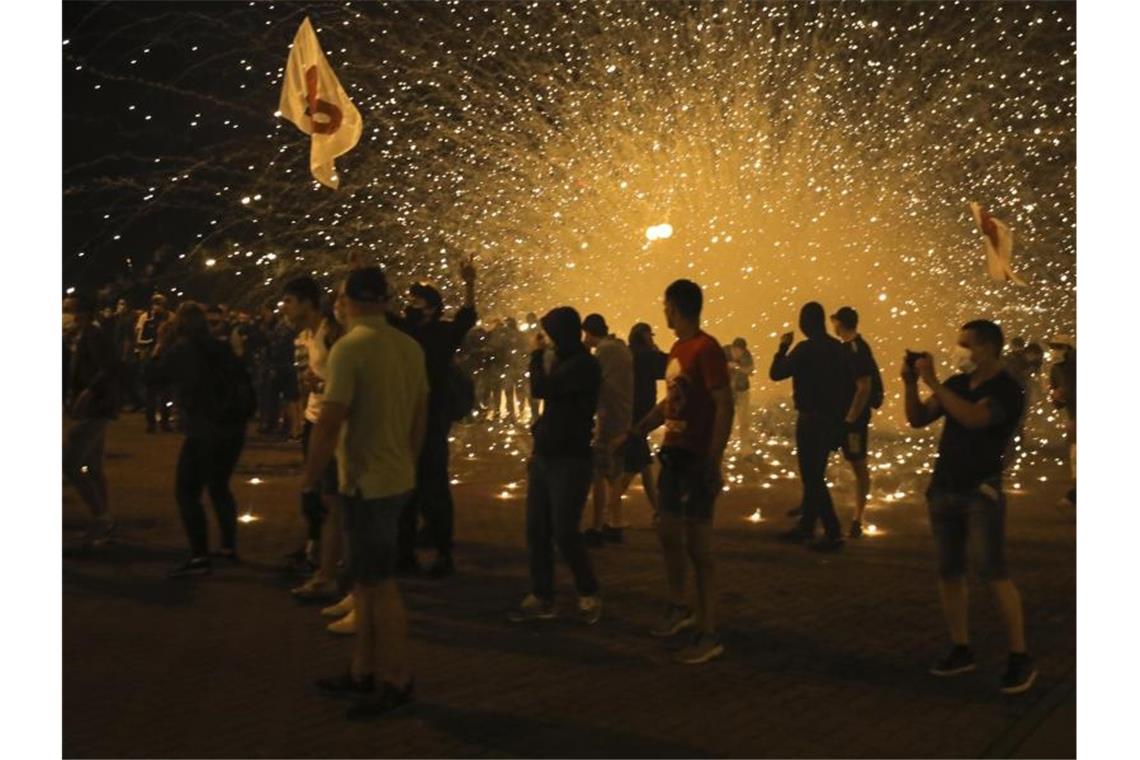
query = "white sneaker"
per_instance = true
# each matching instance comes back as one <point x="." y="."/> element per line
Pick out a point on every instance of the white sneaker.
<point x="341" y="608"/>
<point x="346" y="626"/>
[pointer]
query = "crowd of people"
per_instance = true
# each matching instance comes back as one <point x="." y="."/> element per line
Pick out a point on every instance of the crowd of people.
<point x="371" y="393"/>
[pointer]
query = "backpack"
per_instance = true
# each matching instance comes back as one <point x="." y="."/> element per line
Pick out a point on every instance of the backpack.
<point x="232" y="393"/>
<point x="460" y="393"/>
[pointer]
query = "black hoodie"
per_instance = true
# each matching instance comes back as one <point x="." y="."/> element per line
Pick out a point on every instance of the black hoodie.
<point x="822" y="381"/>
<point x="569" y="390"/>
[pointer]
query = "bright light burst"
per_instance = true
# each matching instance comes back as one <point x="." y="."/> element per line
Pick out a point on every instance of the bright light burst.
<point x="799" y="151"/>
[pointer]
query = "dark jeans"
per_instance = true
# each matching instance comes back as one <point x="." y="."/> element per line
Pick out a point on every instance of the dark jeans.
<point x="208" y="461"/>
<point x="155" y="398"/>
<point x="555" y="496"/>
<point x="816" y="438"/>
<point x="432" y="497"/>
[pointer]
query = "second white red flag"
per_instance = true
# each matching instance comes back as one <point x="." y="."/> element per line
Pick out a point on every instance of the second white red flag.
<point x="313" y="99"/>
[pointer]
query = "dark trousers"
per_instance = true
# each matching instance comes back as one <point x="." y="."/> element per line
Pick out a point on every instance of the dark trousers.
<point x="156" y="398"/>
<point x="207" y="461"/>
<point x="268" y="403"/>
<point x="555" y="497"/>
<point x="432" y="498"/>
<point x="816" y="438"/>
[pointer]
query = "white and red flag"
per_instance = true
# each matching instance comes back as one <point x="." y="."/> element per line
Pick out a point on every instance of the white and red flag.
<point x="313" y="99"/>
<point x="997" y="242"/>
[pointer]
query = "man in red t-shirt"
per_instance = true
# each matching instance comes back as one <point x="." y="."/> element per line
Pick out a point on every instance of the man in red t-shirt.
<point x="697" y="414"/>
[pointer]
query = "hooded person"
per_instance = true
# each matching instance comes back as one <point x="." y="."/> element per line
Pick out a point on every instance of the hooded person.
<point x="559" y="472"/>
<point x="822" y="388"/>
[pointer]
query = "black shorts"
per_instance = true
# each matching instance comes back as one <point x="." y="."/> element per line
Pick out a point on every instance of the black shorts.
<point x="328" y="478"/>
<point x="855" y="440"/>
<point x="370" y="530"/>
<point x="637" y="456"/>
<point x="683" y="488"/>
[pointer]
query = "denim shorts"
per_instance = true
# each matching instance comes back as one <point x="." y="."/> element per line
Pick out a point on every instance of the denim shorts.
<point x="682" y="487"/>
<point x="370" y="528"/>
<point x="959" y="519"/>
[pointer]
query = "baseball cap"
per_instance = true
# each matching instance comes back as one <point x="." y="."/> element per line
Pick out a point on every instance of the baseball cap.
<point x="847" y="317"/>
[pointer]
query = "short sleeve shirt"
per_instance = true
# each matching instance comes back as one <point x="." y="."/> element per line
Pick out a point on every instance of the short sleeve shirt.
<point x="969" y="457"/>
<point x="695" y="368"/>
<point x="615" y="401"/>
<point x="316" y="360"/>
<point x="379" y="374"/>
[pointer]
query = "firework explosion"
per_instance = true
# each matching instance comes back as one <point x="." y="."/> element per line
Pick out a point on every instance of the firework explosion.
<point x="797" y="152"/>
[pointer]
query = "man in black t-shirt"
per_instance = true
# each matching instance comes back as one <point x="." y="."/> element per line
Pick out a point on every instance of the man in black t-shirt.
<point x="857" y="421"/>
<point x="982" y="406"/>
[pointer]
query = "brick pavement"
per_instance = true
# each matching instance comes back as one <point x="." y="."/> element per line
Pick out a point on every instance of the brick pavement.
<point x="826" y="655"/>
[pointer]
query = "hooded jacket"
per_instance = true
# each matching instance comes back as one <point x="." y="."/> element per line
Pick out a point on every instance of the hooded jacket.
<point x="569" y="389"/>
<point x="822" y="381"/>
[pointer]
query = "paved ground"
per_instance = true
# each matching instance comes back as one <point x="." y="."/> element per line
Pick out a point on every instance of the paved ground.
<point x="826" y="656"/>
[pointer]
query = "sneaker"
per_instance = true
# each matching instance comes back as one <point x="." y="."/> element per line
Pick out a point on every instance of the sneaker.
<point x="345" y="685"/>
<point x="612" y="535"/>
<point x="102" y="531"/>
<point x="959" y="660"/>
<point x="389" y="699"/>
<point x="193" y="566"/>
<point x="346" y="626"/>
<point x="678" y="617"/>
<point x="227" y="555"/>
<point x="1019" y="674"/>
<point x="856" y="529"/>
<point x="443" y="567"/>
<point x="315" y="589"/>
<point x="826" y="545"/>
<point x="705" y="647"/>
<point x="795" y="512"/>
<point x="593" y="539"/>
<point x="341" y="608"/>
<point x="590" y="609"/>
<point x="532" y="608"/>
<point x="794" y="536"/>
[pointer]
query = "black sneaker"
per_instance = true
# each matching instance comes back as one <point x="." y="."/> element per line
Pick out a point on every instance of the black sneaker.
<point x="389" y="699"/>
<point x="794" y="536"/>
<point x="345" y="685"/>
<point x="192" y="567"/>
<point x="227" y="555"/>
<point x="1019" y="674"/>
<point x="612" y="535"/>
<point x="794" y="512"/>
<point x="593" y="539"/>
<point x="959" y="660"/>
<point x="826" y="544"/>
<point x="856" y="529"/>
<point x="443" y="567"/>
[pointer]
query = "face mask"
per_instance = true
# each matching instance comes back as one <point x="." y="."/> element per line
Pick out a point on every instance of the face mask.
<point x="961" y="359"/>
